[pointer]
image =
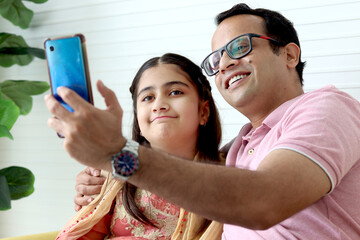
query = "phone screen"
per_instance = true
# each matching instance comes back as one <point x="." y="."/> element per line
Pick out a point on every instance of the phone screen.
<point x="67" y="64"/>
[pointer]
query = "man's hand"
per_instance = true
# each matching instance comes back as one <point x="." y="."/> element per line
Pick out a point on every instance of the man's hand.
<point x="91" y="135"/>
<point x="88" y="183"/>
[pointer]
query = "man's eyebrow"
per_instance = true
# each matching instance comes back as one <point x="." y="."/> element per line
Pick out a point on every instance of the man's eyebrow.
<point x="168" y="84"/>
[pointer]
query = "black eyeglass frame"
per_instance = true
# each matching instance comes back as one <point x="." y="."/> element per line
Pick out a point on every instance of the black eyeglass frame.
<point x="221" y="50"/>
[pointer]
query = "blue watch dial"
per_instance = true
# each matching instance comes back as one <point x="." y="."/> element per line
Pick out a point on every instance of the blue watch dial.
<point x="126" y="164"/>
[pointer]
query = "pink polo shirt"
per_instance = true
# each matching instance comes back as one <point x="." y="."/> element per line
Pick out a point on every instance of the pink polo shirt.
<point x="323" y="125"/>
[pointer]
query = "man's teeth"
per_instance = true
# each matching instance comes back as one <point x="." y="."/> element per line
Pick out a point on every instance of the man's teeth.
<point x="236" y="78"/>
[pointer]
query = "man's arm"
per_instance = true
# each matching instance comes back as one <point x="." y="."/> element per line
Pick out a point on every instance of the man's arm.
<point x="284" y="183"/>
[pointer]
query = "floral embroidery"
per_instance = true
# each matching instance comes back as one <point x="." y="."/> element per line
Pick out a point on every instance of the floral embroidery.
<point x="160" y="212"/>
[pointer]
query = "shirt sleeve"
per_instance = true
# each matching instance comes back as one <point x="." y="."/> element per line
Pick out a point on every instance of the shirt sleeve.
<point x="325" y="127"/>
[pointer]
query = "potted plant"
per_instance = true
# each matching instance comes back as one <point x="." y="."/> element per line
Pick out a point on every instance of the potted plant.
<point x="15" y="96"/>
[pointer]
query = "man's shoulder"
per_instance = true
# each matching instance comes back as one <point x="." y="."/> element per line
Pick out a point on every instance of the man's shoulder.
<point x="330" y="92"/>
<point x="326" y="96"/>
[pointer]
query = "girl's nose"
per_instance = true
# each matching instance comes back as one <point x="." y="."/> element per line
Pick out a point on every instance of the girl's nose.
<point x="160" y="105"/>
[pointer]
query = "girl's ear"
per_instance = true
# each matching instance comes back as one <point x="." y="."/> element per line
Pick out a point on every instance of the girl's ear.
<point x="204" y="112"/>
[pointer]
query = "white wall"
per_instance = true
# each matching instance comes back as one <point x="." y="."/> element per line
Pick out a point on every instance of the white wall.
<point x="121" y="35"/>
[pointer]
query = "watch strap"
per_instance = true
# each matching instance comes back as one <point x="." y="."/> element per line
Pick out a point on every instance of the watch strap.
<point x="130" y="152"/>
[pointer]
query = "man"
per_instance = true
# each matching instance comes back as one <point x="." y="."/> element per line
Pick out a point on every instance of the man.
<point x="293" y="172"/>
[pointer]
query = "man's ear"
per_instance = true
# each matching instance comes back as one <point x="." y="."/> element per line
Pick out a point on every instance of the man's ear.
<point x="292" y="53"/>
<point x="204" y="112"/>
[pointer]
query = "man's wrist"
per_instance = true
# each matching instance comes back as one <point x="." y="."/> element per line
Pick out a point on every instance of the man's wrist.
<point x="125" y="163"/>
<point x="107" y="164"/>
<point x="120" y="144"/>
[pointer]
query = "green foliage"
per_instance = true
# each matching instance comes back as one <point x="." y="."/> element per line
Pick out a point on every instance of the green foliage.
<point x="20" y="92"/>
<point x="20" y="181"/>
<point x="9" y="113"/>
<point x="15" y="183"/>
<point x="5" y="198"/>
<point x="14" y="50"/>
<point x="16" y="12"/>
<point x="15" y="96"/>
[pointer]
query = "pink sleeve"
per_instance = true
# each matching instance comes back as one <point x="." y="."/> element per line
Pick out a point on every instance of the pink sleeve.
<point x="326" y="128"/>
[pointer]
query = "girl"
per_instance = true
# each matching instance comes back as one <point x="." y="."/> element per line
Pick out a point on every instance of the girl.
<point x="174" y="112"/>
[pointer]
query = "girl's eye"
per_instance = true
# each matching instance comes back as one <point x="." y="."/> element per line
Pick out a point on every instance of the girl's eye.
<point x="147" y="98"/>
<point x="176" y="92"/>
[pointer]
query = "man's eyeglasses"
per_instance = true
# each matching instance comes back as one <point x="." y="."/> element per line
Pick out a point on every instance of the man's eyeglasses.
<point x="237" y="48"/>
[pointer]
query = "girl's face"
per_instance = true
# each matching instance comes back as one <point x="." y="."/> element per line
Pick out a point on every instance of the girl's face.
<point x="169" y="110"/>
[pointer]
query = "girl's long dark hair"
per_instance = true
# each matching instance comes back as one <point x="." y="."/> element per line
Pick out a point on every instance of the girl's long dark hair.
<point x="209" y="134"/>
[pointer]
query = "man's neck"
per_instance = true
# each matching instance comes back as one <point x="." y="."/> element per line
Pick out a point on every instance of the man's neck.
<point x="257" y="116"/>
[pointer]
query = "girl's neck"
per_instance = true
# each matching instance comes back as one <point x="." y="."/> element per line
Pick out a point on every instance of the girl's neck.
<point x="183" y="151"/>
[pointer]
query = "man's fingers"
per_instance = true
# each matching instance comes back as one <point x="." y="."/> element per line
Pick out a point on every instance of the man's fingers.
<point x="72" y="98"/>
<point x="85" y="179"/>
<point x="56" y="108"/>
<point x="81" y="201"/>
<point x="88" y="189"/>
<point x="110" y="98"/>
<point x="93" y="171"/>
<point x="77" y="207"/>
<point x="56" y="124"/>
<point x="88" y="183"/>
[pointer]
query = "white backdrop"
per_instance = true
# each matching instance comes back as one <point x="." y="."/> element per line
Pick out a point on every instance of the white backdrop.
<point x="121" y="35"/>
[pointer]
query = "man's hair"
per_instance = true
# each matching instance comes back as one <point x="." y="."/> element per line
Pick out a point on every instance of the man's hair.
<point x="276" y="26"/>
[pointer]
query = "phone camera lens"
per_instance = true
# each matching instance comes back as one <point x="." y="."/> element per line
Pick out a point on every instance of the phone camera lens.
<point x="51" y="48"/>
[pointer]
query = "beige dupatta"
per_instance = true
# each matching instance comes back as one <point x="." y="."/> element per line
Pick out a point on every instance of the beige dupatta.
<point x="190" y="223"/>
<point x="84" y="220"/>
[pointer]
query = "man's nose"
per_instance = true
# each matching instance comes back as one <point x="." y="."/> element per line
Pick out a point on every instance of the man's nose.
<point x="226" y="62"/>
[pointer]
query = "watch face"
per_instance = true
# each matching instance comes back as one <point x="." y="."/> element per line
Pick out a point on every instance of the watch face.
<point x="126" y="164"/>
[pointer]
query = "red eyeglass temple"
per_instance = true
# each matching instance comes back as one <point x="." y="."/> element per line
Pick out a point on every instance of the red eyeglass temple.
<point x="264" y="37"/>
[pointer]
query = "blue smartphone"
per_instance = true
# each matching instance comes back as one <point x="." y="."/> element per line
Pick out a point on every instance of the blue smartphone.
<point x="68" y="66"/>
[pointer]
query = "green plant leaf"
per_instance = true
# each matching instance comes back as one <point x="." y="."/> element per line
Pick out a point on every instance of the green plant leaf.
<point x="20" y="180"/>
<point x="16" y="12"/>
<point x="36" y="52"/>
<point x="25" y="86"/>
<point x="20" y="91"/>
<point x="8" y="40"/>
<point x="9" y="112"/>
<point x="5" y="199"/>
<point x="4" y="132"/>
<point x="37" y="1"/>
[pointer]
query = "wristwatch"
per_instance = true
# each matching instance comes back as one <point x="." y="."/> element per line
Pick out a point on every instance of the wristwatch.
<point x="126" y="162"/>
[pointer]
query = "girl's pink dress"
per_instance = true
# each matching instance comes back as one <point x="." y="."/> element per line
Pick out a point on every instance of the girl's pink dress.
<point x="119" y="225"/>
<point x="163" y="214"/>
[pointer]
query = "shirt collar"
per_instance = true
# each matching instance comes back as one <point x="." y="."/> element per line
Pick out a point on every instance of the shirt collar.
<point x="273" y="118"/>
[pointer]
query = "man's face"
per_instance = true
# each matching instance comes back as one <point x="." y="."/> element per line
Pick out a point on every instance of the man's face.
<point x="251" y="83"/>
